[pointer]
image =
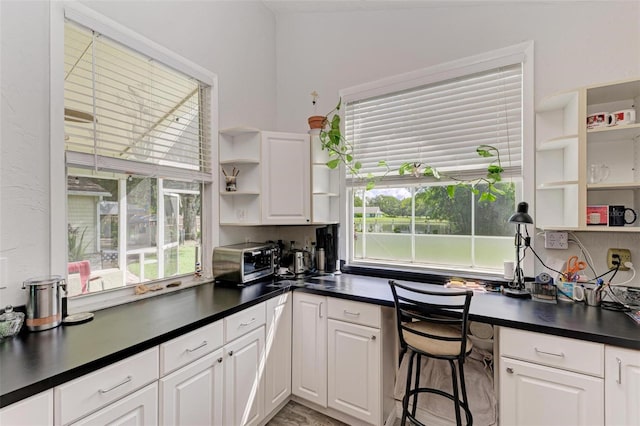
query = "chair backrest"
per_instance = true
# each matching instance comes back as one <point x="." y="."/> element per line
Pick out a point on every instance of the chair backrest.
<point x="440" y="307"/>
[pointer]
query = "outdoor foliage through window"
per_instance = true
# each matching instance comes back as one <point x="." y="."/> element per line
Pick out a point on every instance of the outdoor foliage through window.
<point x="422" y="225"/>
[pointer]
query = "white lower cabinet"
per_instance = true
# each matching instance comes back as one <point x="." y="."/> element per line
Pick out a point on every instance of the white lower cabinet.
<point x="550" y="380"/>
<point x="243" y="379"/>
<point x="193" y="395"/>
<point x="341" y="359"/>
<point x="220" y="380"/>
<point x="354" y="370"/>
<point x="278" y="352"/>
<point x="532" y="394"/>
<point x="107" y="388"/>
<point x="138" y="409"/>
<point x="622" y="386"/>
<point x="36" y="410"/>
<point x="309" y="353"/>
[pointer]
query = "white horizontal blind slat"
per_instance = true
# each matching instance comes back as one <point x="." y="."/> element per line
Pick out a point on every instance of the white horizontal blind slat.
<point x="143" y="111"/>
<point x="441" y="124"/>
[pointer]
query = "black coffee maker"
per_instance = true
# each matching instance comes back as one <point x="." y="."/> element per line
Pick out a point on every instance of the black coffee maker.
<point x="327" y="239"/>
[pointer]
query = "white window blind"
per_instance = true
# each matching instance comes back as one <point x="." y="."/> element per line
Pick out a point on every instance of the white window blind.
<point x="441" y="124"/>
<point x="123" y="107"/>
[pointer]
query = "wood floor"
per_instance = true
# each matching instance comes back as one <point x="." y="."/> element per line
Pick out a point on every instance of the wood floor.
<point x="294" y="414"/>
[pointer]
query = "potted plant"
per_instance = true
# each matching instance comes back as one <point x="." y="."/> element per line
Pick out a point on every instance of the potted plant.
<point x="340" y="151"/>
<point x="316" y="121"/>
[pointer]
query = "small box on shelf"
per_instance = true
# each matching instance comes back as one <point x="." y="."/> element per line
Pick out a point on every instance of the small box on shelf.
<point x="598" y="215"/>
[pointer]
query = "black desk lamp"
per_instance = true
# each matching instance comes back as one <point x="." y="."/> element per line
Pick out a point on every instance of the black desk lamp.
<point x="520" y="217"/>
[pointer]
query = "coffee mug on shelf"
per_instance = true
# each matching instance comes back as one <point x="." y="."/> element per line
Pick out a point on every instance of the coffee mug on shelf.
<point x="624" y="116"/>
<point x="621" y="215"/>
<point x="598" y="119"/>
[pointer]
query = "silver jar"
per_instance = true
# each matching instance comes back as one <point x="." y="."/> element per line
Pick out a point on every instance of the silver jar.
<point x="44" y="307"/>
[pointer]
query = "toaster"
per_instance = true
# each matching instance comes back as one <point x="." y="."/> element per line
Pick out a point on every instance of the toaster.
<point x="243" y="263"/>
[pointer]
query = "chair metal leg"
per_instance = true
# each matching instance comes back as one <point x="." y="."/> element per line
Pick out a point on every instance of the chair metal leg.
<point x="405" y="400"/>
<point x="416" y="384"/>
<point x="463" y="388"/>
<point x="456" y="397"/>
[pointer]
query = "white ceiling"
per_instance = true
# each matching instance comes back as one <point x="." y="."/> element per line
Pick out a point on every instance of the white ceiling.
<point x="310" y="6"/>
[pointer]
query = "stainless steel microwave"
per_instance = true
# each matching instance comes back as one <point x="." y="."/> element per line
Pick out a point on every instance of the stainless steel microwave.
<point x="243" y="263"/>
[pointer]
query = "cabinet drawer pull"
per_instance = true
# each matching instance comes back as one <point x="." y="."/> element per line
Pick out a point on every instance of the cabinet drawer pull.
<point x="230" y="353"/>
<point x="619" y="381"/>
<point x="320" y="310"/>
<point x="124" y="382"/>
<point x="244" y="324"/>
<point x="538" y="351"/>
<point x="200" y="346"/>
<point x="373" y="337"/>
<point x="509" y="370"/>
<point x="355" y="314"/>
<point x="219" y="360"/>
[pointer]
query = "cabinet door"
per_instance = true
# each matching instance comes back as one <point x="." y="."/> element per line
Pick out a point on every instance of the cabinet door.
<point x="535" y="395"/>
<point x="278" y="350"/>
<point x="243" y="379"/>
<point x="139" y="409"/>
<point x="193" y="395"/>
<point x="622" y="386"/>
<point x="286" y="179"/>
<point x="309" y="366"/>
<point x="33" y="411"/>
<point x="354" y="368"/>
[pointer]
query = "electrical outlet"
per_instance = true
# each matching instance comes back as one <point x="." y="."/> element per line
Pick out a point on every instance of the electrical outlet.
<point x="556" y="240"/>
<point x="624" y="255"/>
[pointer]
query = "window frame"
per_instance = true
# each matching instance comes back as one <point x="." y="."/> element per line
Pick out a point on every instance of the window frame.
<point x="58" y="175"/>
<point x="522" y="52"/>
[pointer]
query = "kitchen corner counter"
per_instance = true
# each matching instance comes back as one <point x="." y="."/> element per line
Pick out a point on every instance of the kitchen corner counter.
<point x="33" y="362"/>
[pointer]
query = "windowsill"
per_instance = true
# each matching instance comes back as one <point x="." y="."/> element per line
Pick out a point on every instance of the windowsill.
<point x="420" y="274"/>
<point x="108" y="298"/>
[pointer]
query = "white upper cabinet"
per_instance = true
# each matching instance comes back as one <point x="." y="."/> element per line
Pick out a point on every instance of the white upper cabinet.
<point x="272" y="178"/>
<point x="286" y="179"/>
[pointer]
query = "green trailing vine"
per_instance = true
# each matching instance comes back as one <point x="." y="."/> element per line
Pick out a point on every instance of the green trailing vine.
<point x="340" y="151"/>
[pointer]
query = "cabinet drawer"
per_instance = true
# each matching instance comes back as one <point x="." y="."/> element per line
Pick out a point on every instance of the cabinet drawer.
<point x="139" y="408"/>
<point x="189" y="347"/>
<point x="95" y="390"/>
<point x="562" y="352"/>
<point x="355" y="312"/>
<point x="244" y="321"/>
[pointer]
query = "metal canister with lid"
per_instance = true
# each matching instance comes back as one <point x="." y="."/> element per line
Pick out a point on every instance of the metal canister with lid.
<point x="44" y="307"/>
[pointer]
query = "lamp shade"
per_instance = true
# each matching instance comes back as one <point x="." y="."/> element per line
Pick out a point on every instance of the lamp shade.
<point x="521" y="215"/>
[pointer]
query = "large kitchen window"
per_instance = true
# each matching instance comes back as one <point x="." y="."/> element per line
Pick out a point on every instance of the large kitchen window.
<point x="137" y="137"/>
<point x="437" y="118"/>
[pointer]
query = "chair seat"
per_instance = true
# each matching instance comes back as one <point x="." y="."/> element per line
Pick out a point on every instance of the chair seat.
<point x="435" y="346"/>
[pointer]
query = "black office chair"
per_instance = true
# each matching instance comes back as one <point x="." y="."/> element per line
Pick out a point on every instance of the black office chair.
<point x="433" y="323"/>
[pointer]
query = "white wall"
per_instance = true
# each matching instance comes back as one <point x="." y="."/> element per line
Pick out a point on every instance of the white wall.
<point x="235" y="40"/>
<point x="238" y="40"/>
<point x="576" y="44"/>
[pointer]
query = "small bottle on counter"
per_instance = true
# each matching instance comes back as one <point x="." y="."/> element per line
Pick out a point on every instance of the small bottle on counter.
<point x="312" y="257"/>
<point x="320" y="260"/>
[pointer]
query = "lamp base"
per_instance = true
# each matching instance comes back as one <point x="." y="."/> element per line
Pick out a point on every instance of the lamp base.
<point x="515" y="292"/>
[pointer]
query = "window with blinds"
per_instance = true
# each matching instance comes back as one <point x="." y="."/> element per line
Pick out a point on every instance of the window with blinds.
<point x="138" y="159"/>
<point x="437" y="117"/>
<point x="124" y="108"/>
<point x="441" y="124"/>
